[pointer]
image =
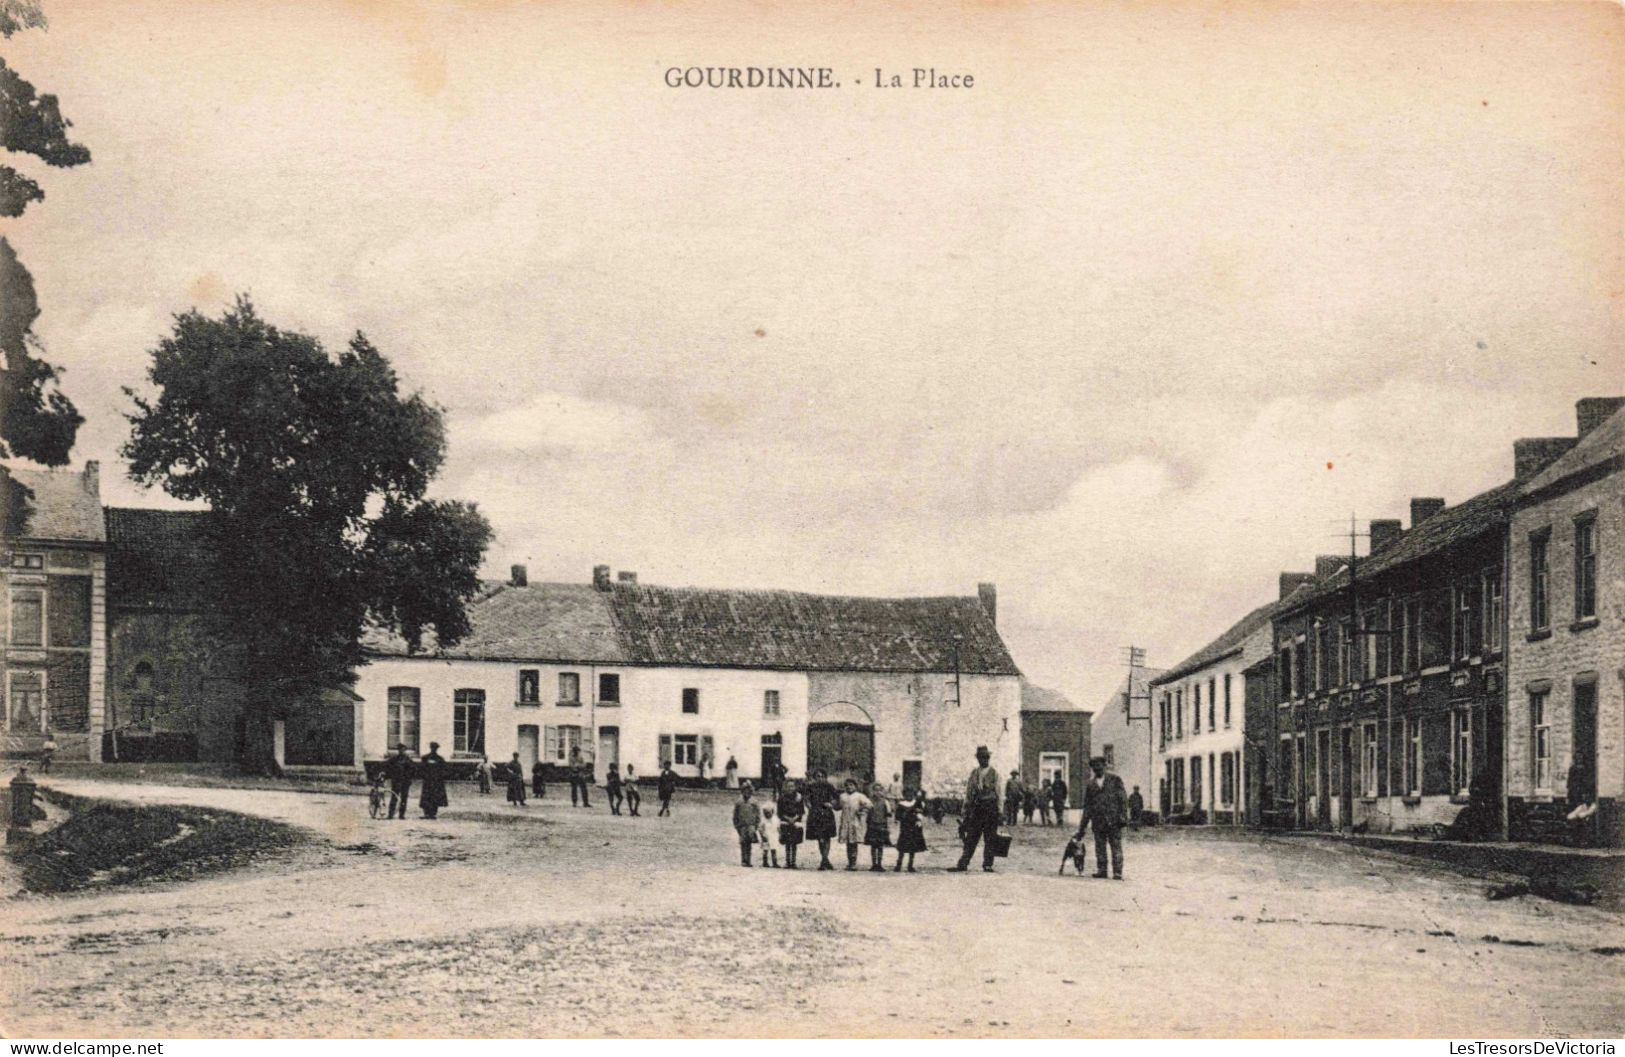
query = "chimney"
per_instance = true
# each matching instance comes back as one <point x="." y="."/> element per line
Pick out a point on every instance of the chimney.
<point x="626" y="577"/>
<point x="518" y="577"/>
<point x="989" y="596"/>
<point x="1327" y="564"/>
<point x="1593" y="411"/>
<point x="93" y="478"/>
<point x="1384" y="533"/>
<point x="600" y="577"/>
<point x="1290" y="582"/>
<point x="1531" y="455"/>
<point x="1424" y="508"/>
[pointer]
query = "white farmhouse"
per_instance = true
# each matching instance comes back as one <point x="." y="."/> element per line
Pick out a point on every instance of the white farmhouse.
<point x="630" y="673"/>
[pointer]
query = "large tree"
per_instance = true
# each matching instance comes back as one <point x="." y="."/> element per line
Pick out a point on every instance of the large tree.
<point x="37" y="421"/>
<point x="315" y="467"/>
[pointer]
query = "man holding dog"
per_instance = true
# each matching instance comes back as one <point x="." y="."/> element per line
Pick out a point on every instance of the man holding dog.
<point x="1105" y="806"/>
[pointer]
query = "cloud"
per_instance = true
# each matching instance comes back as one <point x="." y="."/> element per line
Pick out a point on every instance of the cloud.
<point x="558" y="422"/>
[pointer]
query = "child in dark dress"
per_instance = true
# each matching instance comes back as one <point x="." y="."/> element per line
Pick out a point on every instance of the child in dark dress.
<point x="910" y="828"/>
<point x="877" y="832"/>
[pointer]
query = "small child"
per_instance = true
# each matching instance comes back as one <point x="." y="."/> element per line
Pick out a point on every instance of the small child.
<point x="770" y="834"/>
<point x="877" y="834"/>
<point x="1045" y="795"/>
<point x="910" y="830"/>
<point x="747" y="823"/>
<point x="630" y="788"/>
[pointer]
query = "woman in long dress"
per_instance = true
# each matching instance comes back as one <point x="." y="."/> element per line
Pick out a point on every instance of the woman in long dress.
<point x="822" y="801"/>
<point x="850" y="829"/>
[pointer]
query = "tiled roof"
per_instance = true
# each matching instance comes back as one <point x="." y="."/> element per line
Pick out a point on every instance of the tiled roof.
<point x="697" y="627"/>
<point x="1607" y="441"/>
<point x="1226" y="644"/>
<point x="158" y="559"/>
<point x="63" y="506"/>
<point x="540" y="622"/>
<point x="1035" y="698"/>
<point x="1451" y="526"/>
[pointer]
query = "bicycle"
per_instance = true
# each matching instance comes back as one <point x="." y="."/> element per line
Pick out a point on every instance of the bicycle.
<point x="377" y="801"/>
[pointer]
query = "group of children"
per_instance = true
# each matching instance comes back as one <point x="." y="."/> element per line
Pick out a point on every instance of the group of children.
<point x="818" y="813"/>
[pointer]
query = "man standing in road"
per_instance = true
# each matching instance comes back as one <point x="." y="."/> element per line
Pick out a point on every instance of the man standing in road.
<point x="1013" y="794"/>
<point x="665" y="787"/>
<point x="1136" y="808"/>
<point x="1106" y="806"/>
<point x="981" y="812"/>
<point x="398" y="769"/>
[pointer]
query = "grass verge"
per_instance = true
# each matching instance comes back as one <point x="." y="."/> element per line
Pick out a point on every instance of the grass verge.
<point x="108" y="843"/>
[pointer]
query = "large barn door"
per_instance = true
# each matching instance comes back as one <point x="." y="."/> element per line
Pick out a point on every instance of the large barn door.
<point x="842" y="750"/>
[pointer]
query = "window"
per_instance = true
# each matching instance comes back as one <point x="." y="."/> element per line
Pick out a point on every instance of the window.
<point x="1540" y="610"/>
<point x="69" y="605"/>
<point x="1285" y="673"/>
<point x="1322" y="661"/>
<point x="1196" y="781"/>
<point x="530" y="686"/>
<point x="1179" y="713"/>
<point x="1227" y="779"/>
<point x="1494" y="609"/>
<point x="1212" y="692"/>
<point x="569" y="688"/>
<point x="27" y="618"/>
<point x="28" y="561"/>
<point x="1196" y="709"/>
<point x="1461" y="750"/>
<point x="770" y="702"/>
<point x="1300" y="670"/>
<point x="1227" y="699"/>
<point x="468" y="721"/>
<point x="1109" y="754"/>
<point x="560" y="743"/>
<point x="1345" y="654"/>
<point x="1162" y="718"/>
<point x="1368" y="760"/>
<point x="403" y="717"/>
<point x="1585" y="567"/>
<point x="1410" y="636"/>
<point x="686" y="749"/>
<point x="1435" y="627"/>
<point x="1177" y="769"/>
<point x="691" y="701"/>
<point x="25" y="708"/>
<point x="1465" y="631"/>
<point x="1412" y="752"/>
<point x="1540" y="722"/>
<point x="609" y="688"/>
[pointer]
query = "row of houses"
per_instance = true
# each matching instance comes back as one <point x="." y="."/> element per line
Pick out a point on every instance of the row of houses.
<point x="112" y="647"/>
<point x="1476" y="655"/>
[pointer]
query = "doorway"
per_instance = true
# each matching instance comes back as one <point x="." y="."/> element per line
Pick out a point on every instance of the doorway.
<point x="609" y="751"/>
<point x="1584" y="752"/>
<point x="914" y="774"/>
<point x="842" y="750"/>
<point x="1345" y="779"/>
<point x="529" y="739"/>
<point x="1323" y="778"/>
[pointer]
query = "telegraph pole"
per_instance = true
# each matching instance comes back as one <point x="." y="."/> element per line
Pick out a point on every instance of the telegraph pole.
<point x="1134" y="658"/>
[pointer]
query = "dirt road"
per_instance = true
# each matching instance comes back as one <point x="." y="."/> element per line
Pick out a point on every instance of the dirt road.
<point x="559" y="921"/>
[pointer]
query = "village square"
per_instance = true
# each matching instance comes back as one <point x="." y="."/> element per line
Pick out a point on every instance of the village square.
<point x="514" y="528"/>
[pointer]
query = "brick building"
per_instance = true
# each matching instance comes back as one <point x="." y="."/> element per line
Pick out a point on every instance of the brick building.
<point x="1055" y="737"/>
<point x="1566" y="668"/>
<point x="53" y="568"/>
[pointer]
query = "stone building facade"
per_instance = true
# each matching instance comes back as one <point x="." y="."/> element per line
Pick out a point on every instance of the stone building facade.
<point x="627" y="673"/>
<point x="53" y="569"/>
<point x="1566" y="672"/>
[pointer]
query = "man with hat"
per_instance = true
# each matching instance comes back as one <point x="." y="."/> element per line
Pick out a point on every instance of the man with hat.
<point x="981" y="812"/>
<point x="398" y="769"/>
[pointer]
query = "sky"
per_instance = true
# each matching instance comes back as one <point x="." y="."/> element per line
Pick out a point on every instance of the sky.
<point x="1129" y="327"/>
